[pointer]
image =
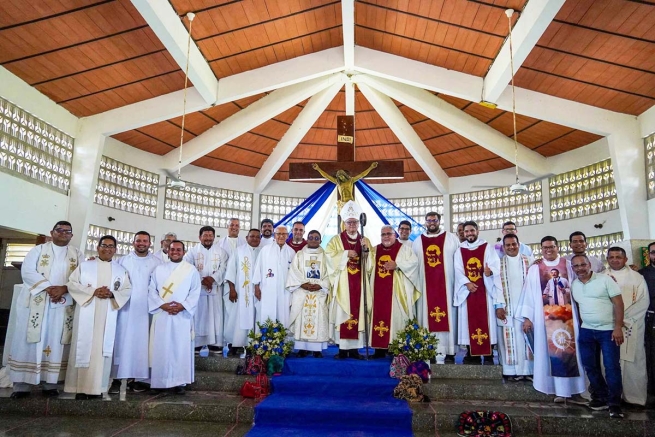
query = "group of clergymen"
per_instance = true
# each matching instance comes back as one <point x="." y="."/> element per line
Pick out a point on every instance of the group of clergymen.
<point x="139" y="318"/>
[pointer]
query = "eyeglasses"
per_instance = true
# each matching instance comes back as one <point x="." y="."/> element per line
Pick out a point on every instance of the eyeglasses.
<point x="313" y="238"/>
<point x="281" y="233"/>
<point x="63" y="231"/>
<point x="107" y="246"/>
<point x="577" y="266"/>
<point x="386" y="234"/>
<point x="351" y="223"/>
<point x="431" y="220"/>
<point x="404" y="229"/>
<point x="548" y="247"/>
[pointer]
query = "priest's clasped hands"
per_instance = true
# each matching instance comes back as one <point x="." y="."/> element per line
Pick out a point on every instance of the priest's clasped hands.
<point x="310" y="287"/>
<point x="103" y="293"/>
<point x="172" y="308"/>
<point x="56" y="292"/>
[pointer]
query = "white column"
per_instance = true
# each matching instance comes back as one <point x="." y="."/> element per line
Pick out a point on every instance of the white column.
<point x="89" y="144"/>
<point x="627" y="153"/>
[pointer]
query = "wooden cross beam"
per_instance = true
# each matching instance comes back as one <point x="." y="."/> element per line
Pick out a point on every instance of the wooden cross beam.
<point x="301" y="171"/>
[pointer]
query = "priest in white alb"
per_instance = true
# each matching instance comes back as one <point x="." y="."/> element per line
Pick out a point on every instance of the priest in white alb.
<point x="344" y="255"/>
<point x="162" y="253"/>
<point x="309" y="287"/>
<point x="238" y="277"/>
<point x="100" y="287"/>
<point x="270" y="279"/>
<point x="553" y="327"/>
<point x="44" y="315"/>
<point x="131" y="345"/>
<point x="478" y="295"/>
<point x="635" y="303"/>
<point x="173" y="297"/>
<point x="514" y="354"/>
<point x="211" y="261"/>
<point x="229" y="244"/>
<point x="393" y="285"/>
<point x="435" y="250"/>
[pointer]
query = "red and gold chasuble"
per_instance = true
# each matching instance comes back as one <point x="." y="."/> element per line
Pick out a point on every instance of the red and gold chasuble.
<point x="349" y="330"/>
<point x="558" y="318"/>
<point x="435" y="283"/>
<point x="383" y="295"/>
<point x="297" y="247"/>
<point x="476" y="303"/>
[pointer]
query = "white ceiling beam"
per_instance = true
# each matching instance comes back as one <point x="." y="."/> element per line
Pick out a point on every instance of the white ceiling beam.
<point x="465" y="86"/>
<point x="350" y="98"/>
<point x="348" y="25"/>
<point x="535" y="18"/>
<point x="418" y="74"/>
<point x="231" y="88"/>
<point x="296" y="132"/>
<point x="407" y="135"/>
<point x="257" y="113"/>
<point x="458" y="121"/>
<point x="164" y="21"/>
<point x="280" y="74"/>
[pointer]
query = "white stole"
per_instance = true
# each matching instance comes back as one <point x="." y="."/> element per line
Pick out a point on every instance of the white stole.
<point x="89" y="276"/>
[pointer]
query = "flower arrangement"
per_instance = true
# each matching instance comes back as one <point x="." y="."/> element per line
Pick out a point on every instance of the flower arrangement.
<point x="271" y="340"/>
<point x="415" y="342"/>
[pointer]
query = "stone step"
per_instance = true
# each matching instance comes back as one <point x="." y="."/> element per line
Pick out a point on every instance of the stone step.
<point x="468" y="389"/>
<point x="217" y="363"/>
<point x="533" y="418"/>
<point x="194" y="406"/>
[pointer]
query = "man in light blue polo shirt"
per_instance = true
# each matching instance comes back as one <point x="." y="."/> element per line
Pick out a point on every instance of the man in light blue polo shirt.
<point x="601" y="311"/>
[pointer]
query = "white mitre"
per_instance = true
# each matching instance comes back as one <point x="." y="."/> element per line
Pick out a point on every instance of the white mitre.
<point x="350" y="210"/>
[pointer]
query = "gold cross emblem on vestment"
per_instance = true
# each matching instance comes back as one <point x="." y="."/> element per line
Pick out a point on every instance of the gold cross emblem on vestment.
<point x="167" y="290"/>
<point x="350" y="322"/>
<point x="437" y="314"/>
<point x="381" y="329"/>
<point x="479" y="336"/>
<point x="47" y="351"/>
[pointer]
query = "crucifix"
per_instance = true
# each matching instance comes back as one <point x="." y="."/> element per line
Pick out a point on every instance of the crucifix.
<point x="339" y="172"/>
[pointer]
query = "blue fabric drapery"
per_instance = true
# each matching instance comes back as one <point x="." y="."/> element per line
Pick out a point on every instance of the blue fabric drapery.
<point x="386" y="211"/>
<point x="307" y="210"/>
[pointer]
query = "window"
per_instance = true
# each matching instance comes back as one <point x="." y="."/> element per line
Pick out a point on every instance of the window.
<point x="276" y="207"/>
<point x="127" y="188"/>
<point x="16" y="253"/>
<point x="649" y="146"/>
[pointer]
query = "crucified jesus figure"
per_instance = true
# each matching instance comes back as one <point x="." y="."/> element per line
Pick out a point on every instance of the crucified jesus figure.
<point x="344" y="182"/>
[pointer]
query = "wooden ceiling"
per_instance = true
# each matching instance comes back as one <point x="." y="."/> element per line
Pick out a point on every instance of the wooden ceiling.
<point x="91" y="56"/>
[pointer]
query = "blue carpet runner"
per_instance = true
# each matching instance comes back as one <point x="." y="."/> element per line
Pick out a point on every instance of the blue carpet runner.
<point x="328" y="397"/>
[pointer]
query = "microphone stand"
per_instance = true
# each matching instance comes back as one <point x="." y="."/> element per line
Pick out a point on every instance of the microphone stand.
<point x="364" y="258"/>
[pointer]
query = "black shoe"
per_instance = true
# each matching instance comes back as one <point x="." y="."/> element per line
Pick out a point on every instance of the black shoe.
<point x="450" y="359"/>
<point x="81" y="397"/>
<point x="356" y="355"/>
<point x="197" y="349"/>
<point x="179" y="390"/>
<point x="138" y="386"/>
<point x="302" y="353"/>
<point x="317" y="354"/>
<point x="488" y="360"/>
<point x="115" y="387"/>
<point x="342" y="355"/>
<point x="215" y="348"/>
<point x="233" y="352"/>
<point x="20" y="395"/>
<point x="597" y="405"/>
<point x="50" y="393"/>
<point x="472" y="360"/>
<point x="379" y="353"/>
<point x="616" y="412"/>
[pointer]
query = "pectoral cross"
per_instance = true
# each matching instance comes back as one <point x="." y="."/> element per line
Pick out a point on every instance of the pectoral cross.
<point x="479" y="336"/>
<point x="437" y="314"/>
<point x="47" y="351"/>
<point x="381" y="329"/>
<point x="350" y="322"/>
<point x="167" y="290"/>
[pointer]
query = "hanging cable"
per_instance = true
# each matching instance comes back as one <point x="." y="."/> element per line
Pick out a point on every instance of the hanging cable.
<point x="190" y="16"/>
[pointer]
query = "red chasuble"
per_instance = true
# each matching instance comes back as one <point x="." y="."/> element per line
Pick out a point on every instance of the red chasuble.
<point x="476" y="303"/>
<point x="349" y="330"/>
<point x="435" y="283"/>
<point x="297" y="247"/>
<point x="383" y="295"/>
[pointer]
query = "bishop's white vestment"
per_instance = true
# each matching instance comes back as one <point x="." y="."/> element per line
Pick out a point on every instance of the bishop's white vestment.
<point x="271" y="272"/>
<point x="308" y="320"/>
<point x="633" y="351"/>
<point x="131" y="345"/>
<point x="94" y="326"/>
<point x="209" y="315"/>
<point x="240" y="272"/>
<point x="432" y="256"/>
<point x="39" y="350"/>
<point x="172" y="337"/>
